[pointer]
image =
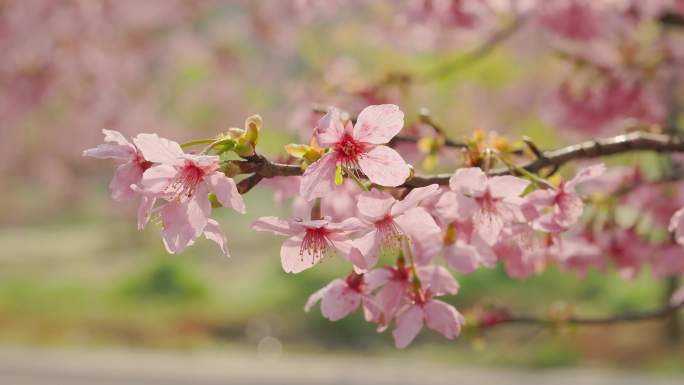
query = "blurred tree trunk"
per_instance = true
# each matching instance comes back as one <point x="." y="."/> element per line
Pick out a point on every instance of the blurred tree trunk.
<point x="673" y="331"/>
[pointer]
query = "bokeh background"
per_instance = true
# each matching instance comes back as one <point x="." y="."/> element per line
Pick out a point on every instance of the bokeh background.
<point x="75" y="272"/>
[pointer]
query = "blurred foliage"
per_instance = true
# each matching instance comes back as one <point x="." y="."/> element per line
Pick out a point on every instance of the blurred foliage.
<point x="165" y="279"/>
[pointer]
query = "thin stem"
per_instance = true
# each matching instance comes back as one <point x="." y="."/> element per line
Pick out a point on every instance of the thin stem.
<point x="517" y="169"/>
<point x="412" y="262"/>
<point x="358" y="181"/>
<point x="196" y="142"/>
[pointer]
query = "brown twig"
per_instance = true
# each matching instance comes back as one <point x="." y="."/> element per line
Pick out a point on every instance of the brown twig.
<point x="662" y="312"/>
<point x="249" y="183"/>
<point x="624" y="143"/>
<point x="672" y="19"/>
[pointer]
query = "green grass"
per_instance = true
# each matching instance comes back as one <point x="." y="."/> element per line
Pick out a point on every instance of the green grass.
<point x="100" y="282"/>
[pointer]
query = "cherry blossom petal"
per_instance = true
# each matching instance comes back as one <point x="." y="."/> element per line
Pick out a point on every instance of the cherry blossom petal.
<point x="329" y="129"/>
<point x="470" y="181"/>
<point x="453" y="207"/>
<point x="541" y="198"/>
<point x="213" y="232"/>
<point x="347" y="225"/>
<point x="159" y="150"/>
<point x="315" y="297"/>
<point x="277" y="226"/>
<point x="341" y="243"/>
<point x="183" y="223"/>
<point x="155" y="180"/>
<point x="126" y="175"/>
<point x="378" y="124"/>
<point x="507" y="186"/>
<point x="339" y="301"/>
<point x="462" y="257"/>
<point x="226" y="191"/>
<point x="409" y="324"/>
<point x="390" y="297"/>
<point x="374" y="205"/>
<point x="373" y="313"/>
<point x="319" y="178"/>
<point x="293" y="258"/>
<point x="488" y="225"/>
<point x="569" y="210"/>
<point x="365" y="251"/>
<point x="438" y="280"/>
<point x="112" y="151"/>
<point x="424" y="233"/>
<point x="145" y="210"/>
<point x="384" y="166"/>
<point x="377" y="277"/>
<point x="202" y="161"/>
<point x="443" y="318"/>
<point x="414" y="198"/>
<point x="359" y="262"/>
<point x="586" y="175"/>
<point x="114" y="136"/>
<point x="121" y="150"/>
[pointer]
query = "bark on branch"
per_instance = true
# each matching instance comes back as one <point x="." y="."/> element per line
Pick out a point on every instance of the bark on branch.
<point x="619" y="144"/>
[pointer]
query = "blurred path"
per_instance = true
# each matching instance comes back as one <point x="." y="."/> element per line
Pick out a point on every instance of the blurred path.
<point x="28" y="366"/>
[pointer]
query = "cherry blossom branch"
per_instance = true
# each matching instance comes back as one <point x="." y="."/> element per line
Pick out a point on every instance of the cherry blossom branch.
<point x="624" y="143"/>
<point x="672" y="19"/>
<point x="631" y="142"/>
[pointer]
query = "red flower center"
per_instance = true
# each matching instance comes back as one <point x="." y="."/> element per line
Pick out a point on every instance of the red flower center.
<point x="186" y="181"/>
<point x="356" y="282"/>
<point x="348" y="150"/>
<point x="315" y="242"/>
<point x="389" y="232"/>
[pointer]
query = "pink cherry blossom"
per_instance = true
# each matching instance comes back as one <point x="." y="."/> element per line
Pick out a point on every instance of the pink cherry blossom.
<point x="464" y="249"/>
<point x="625" y="249"/>
<point x="565" y="203"/>
<point x="573" y="19"/>
<point x="426" y="310"/>
<point x="668" y="260"/>
<point x="579" y="253"/>
<point x="309" y="241"/>
<point x="602" y="106"/>
<point x="388" y="219"/>
<point x="342" y="297"/>
<point x="184" y="182"/>
<point x="357" y="148"/>
<point x="522" y="251"/>
<point x="127" y="174"/>
<point x="497" y="199"/>
<point x="395" y="284"/>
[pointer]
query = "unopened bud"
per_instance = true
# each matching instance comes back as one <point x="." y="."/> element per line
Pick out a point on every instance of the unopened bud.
<point x="252" y="127"/>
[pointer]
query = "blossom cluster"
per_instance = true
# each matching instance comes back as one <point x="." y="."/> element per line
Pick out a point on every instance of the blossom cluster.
<point x="353" y="202"/>
<point x="351" y="178"/>
<point x="157" y="170"/>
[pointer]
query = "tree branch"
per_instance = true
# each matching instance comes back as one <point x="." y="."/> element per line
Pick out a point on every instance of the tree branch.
<point x="619" y="144"/>
<point x="672" y="19"/>
<point x="503" y="318"/>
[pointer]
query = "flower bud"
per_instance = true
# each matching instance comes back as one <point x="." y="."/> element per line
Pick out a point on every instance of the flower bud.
<point x="252" y="127"/>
